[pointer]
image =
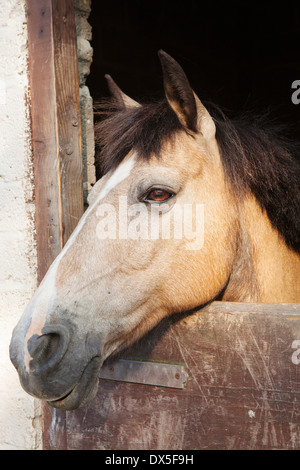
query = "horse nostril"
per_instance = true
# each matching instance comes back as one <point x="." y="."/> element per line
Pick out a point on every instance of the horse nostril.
<point x="48" y="349"/>
<point x="43" y="349"/>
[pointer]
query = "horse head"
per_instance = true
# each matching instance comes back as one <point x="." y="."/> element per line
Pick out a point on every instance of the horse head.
<point x="161" y="235"/>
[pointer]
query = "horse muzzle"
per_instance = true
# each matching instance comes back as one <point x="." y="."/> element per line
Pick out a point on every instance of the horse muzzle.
<point x="59" y="370"/>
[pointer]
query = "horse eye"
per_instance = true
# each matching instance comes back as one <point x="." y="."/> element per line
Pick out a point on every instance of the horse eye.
<point x="158" y="195"/>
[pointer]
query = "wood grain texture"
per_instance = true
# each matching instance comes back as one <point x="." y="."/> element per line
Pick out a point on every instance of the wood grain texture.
<point x="68" y="114"/>
<point x="243" y="390"/>
<point x="44" y="134"/>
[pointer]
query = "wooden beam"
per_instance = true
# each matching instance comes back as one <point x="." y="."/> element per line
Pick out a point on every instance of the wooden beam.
<point x="44" y="134"/>
<point x="56" y="145"/>
<point x="56" y="129"/>
<point x="68" y="114"/>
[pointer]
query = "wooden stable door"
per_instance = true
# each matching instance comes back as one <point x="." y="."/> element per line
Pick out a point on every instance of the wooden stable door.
<point x="226" y="377"/>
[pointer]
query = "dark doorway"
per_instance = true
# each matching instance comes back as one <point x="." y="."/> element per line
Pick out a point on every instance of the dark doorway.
<point x="242" y="56"/>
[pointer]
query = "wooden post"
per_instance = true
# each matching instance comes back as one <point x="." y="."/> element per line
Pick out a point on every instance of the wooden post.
<point x="56" y="143"/>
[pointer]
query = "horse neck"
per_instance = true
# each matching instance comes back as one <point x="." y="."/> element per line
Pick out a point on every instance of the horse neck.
<point x="265" y="269"/>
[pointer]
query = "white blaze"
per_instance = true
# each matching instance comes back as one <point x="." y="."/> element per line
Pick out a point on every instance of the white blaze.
<point x="46" y="292"/>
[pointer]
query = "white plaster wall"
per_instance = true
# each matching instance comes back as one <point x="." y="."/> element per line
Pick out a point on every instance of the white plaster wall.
<point x="20" y="424"/>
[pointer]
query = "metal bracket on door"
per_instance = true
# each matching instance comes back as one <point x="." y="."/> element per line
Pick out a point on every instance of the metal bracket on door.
<point x="148" y="373"/>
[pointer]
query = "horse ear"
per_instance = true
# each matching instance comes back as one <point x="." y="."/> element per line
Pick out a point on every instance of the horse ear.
<point x="124" y="100"/>
<point x="184" y="102"/>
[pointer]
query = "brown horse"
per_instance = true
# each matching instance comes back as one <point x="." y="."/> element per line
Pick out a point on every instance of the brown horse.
<point x="191" y="208"/>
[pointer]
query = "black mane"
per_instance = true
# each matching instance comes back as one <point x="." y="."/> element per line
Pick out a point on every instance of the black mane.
<point x="254" y="157"/>
<point x="143" y="128"/>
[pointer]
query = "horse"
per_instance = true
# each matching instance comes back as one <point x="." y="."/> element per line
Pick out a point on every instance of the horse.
<point x="209" y="210"/>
